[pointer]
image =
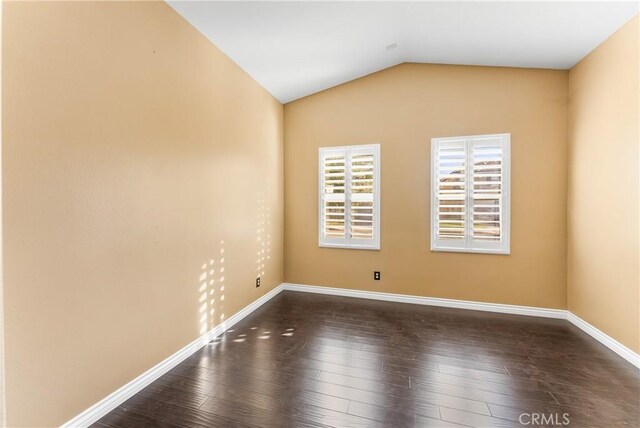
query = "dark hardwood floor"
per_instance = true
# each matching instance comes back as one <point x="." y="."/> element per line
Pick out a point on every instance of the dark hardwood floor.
<point x="307" y="360"/>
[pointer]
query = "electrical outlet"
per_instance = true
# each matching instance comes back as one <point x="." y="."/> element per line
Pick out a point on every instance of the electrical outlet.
<point x="376" y="275"/>
<point x="257" y="282"/>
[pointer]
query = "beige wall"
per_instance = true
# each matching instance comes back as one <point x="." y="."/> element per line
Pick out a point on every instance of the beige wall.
<point x="402" y="108"/>
<point x="603" y="212"/>
<point x="135" y="153"/>
<point x="2" y="383"/>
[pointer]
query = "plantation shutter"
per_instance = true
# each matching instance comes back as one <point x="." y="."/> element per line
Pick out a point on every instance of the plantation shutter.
<point x="361" y="184"/>
<point x="487" y="178"/>
<point x="470" y="194"/>
<point x="349" y="197"/>
<point x="451" y="191"/>
<point x="334" y="188"/>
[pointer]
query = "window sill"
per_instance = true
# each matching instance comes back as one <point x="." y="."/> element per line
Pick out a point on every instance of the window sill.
<point x="471" y="251"/>
<point x="349" y="247"/>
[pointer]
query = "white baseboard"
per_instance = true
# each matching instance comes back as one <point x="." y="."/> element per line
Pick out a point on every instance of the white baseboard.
<point x="605" y="339"/>
<point x="601" y="337"/>
<point x="432" y="301"/>
<point x="104" y="406"/>
<point x="109" y="403"/>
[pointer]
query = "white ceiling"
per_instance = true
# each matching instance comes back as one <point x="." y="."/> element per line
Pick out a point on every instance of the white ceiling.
<point x="294" y="49"/>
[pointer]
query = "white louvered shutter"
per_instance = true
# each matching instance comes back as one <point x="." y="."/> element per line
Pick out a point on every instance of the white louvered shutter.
<point x="451" y="191"/>
<point x="349" y="197"/>
<point x="470" y="194"/>
<point x="334" y="195"/>
<point x="487" y="179"/>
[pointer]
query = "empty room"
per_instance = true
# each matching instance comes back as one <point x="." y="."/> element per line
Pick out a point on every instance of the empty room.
<point x="320" y="214"/>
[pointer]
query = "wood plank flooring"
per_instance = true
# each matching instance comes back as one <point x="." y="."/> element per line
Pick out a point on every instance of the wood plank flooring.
<point x="307" y="360"/>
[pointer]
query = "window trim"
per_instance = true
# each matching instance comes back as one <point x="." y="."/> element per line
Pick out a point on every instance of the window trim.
<point x="322" y="242"/>
<point x="505" y="247"/>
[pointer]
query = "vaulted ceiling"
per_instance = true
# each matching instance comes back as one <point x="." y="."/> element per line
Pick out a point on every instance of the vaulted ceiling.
<point x="295" y="49"/>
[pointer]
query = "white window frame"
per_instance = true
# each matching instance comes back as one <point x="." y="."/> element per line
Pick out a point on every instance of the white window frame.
<point x="468" y="245"/>
<point x="347" y="242"/>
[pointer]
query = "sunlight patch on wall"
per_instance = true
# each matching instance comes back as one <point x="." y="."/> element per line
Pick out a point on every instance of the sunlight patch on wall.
<point x="211" y="276"/>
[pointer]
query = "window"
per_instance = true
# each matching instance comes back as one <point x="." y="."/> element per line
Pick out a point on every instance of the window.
<point x="349" y="205"/>
<point x="470" y="194"/>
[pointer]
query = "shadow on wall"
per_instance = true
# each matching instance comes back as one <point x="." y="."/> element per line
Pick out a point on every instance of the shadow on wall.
<point x="211" y="289"/>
